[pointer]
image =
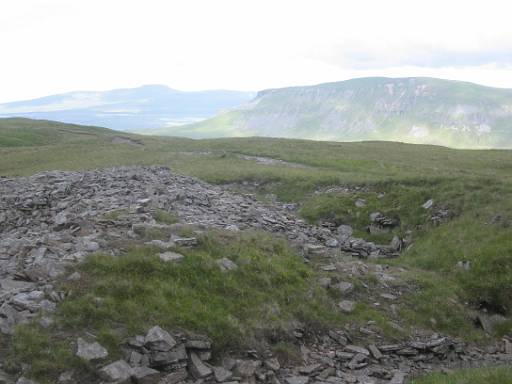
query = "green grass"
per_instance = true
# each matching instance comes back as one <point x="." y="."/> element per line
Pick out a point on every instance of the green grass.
<point x="498" y="375"/>
<point x="163" y="217"/>
<point x="475" y="186"/>
<point x="260" y="304"/>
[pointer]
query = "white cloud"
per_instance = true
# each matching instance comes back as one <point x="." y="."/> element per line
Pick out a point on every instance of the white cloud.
<point x="51" y="46"/>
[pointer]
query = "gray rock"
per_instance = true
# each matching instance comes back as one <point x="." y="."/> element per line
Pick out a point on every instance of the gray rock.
<point x="272" y="364"/>
<point x="158" y="339"/>
<point x="398" y="378"/>
<point x="226" y="264"/>
<point x="489" y="322"/>
<point x="198" y="343"/>
<point x="358" y="361"/>
<point x="328" y="268"/>
<point x="297" y="380"/>
<point x="197" y="368"/>
<point x="247" y="368"/>
<point x="90" y="351"/>
<point x="24" y="380"/>
<point x="347" y="306"/>
<point x="388" y="296"/>
<point x="175" y="377"/>
<point x="163" y="245"/>
<point x="396" y="244"/>
<point x="360" y="203"/>
<point x="159" y="358"/>
<point x="464" y="264"/>
<point x="375" y="351"/>
<point x="185" y="241"/>
<point x="66" y="377"/>
<point x="507" y="346"/>
<point x="344" y="287"/>
<point x="221" y="374"/>
<point x="171" y="257"/>
<point x="357" y="349"/>
<point x="332" y="243"/>
<point x="30" y="301"/>
<point x="119" y="371"/>
<point x="145" y="375"/>
<point x="325" y="282"/>
<point x="74" y="276"/>
<point x="345" y="231"/>
<point x="314" y="250"/>
<point x="309" y="369"/>
<point x="428" y="204"/>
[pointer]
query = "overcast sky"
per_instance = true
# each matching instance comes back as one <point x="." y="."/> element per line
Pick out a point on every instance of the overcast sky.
<point x="53" y="46"/>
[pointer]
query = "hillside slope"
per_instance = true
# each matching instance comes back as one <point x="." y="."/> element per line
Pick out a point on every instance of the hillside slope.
<point x="444" y="214"/>
<point x="415" y="110"/>
<point x="149" y="106"/>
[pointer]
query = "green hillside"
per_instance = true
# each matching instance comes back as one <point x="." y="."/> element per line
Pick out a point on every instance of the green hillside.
<point x="414" y="110"/>
<point x="21" y="132"/>
<point x="324" y="179"/>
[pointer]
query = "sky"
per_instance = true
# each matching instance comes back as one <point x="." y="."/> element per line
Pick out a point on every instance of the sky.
<point x="56" y="46"/>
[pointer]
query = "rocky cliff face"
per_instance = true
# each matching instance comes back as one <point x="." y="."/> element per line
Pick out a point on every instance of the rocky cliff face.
<point x="417" y="110"/>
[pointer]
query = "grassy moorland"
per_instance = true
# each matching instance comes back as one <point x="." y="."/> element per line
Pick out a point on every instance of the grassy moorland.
<point x="474" y="188"/>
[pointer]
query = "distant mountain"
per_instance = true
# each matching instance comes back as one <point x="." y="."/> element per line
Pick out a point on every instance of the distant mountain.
<point x="146" y="107"/>
<point x="415" y="110"/>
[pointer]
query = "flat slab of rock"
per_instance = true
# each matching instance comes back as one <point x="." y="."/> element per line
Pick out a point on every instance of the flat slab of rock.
<point x="197" y="368"/>
<point x="357" y="349"/>
<point x="297" y="380"/>
<point x="90" y="351"/>
<point x="171" y="257"/>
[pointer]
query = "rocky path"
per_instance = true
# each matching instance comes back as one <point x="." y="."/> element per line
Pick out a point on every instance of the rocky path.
<point x="53" y="219"/>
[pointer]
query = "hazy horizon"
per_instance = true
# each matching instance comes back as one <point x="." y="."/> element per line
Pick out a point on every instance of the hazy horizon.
<point x="57" y="46"/>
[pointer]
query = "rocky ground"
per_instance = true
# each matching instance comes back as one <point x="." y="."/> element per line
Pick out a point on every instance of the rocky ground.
<point x="54" y="219"/>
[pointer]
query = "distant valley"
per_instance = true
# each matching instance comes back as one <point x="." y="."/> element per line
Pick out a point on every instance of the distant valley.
<point x="413" y="110"/>
<point x="142" y="108"/>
